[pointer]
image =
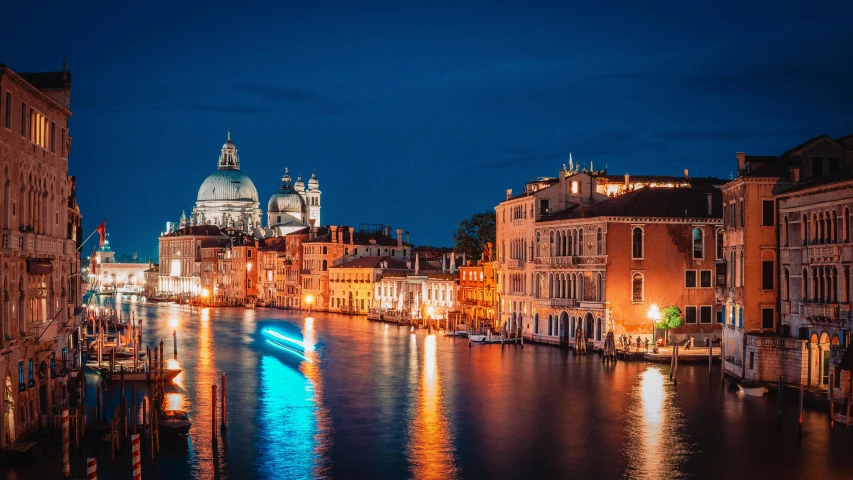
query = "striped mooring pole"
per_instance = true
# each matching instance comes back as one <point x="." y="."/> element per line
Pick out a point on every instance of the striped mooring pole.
<point x="91" y="468"/>
<point x="135" y="457"/>
<point x="66" y="466"/>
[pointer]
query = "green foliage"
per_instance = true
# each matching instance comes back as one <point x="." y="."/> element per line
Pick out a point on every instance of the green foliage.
<point x="670" y="318"/>
<point x="473" y="234"/>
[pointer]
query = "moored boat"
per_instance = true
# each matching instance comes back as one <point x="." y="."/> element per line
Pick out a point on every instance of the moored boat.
<point x="487" y="338"/>
<point x="752" y="390"/>
<point x="175" y="421"/>
<point x="169" y="374"/>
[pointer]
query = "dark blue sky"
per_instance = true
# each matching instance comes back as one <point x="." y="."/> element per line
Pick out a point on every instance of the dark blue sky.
<point x="419" y="116"/>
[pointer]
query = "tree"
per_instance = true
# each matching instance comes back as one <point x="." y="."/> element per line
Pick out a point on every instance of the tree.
<point x="473" y="234"/>
<point x="670" y="318"/>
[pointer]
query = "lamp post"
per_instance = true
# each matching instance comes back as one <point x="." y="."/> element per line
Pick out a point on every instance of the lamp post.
<point x="654" y="315"/>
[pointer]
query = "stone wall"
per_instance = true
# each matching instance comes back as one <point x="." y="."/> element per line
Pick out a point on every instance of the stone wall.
<point x="769" y="357"/>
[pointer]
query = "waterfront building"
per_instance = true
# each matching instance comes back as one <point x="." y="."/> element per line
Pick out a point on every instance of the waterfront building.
<point x="41" y="238"/>
<point x="288" y="276"/>
<point x="518" y="215"/>
<point x="180" y="259"/>
<point x="603" y="266"/>
<point x="111" y="276"/>
<point x="416" y="295"/>
<point x="268" y="252"/>
<point x="795" y="208"/>
<point x="352" y="283"/>
<point x="151" y="276"/>
<point x="476" y="296"/>
<point x="340" y="245"/>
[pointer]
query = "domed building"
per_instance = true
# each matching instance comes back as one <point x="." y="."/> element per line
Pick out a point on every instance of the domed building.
<point x="227" y="197"/>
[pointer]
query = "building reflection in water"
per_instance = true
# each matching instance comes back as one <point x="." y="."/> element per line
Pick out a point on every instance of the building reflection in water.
<point x="201" y="433"/>
<point x="314" y="394"/>
<point x="430" y="446"/>
<point x="656" y="445"/>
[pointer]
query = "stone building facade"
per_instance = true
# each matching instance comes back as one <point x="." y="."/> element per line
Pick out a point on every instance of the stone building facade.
<point x="41" y="236"/>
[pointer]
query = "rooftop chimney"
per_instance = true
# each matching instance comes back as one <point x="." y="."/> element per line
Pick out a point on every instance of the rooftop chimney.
<point x="794" y="173"/>
<point x="399" y="237"/>
<point x="710" y="203"/>
<point x="334" y="233"/>
<point x="341" y="234"/>
<point x="407" y="237"/>
<point x="627" y="181"/>
<point x="351" y="232"/>
<point x="741" y="162"/>
<point x="686" y="174"/>
<point x="508" y="193"/>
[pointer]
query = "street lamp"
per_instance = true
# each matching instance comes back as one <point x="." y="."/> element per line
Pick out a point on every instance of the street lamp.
<point x="654" y="315"/>
<point x="309" y="299"/>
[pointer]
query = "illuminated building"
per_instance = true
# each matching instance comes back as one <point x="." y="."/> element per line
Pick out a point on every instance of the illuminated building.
<point x="180" y="259"/>
<point x="788" y="254"/>
<point x="122" y="277"/>
<point x="40" y="259"/>
<point x="476" y="298"/>
<point x="351" y="283"/>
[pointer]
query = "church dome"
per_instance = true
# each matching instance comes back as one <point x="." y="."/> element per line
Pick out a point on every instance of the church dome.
<point x="286" y="199"/>
<point x="299" y="186"/>
<point x="313" y="183"/>
<point x="228" y="185"/>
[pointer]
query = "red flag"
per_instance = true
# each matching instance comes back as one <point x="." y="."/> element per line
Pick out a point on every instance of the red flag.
<point x="102" y="231"/>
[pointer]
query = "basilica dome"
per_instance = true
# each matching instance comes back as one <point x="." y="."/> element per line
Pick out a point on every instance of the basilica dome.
<point x="286" y="199"/>
<point x="224" y="185"/>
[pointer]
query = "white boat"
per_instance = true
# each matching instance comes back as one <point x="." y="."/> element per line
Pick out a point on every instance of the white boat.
<point x="175" y="421"/>
<point x="250" y="305"/>
<point x="752" y="391"/>
<point x="457" y="333"/>
<point x="169" y="374"/>
<point x="487" y="338"/>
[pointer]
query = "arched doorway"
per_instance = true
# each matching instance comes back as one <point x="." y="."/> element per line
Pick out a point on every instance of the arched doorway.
<point x="598" y="329"/>
<point x="564" y="329"/>
<point x="10" y="412"/>
<point x="590" y="327"/>
<point x="824" y="359"/>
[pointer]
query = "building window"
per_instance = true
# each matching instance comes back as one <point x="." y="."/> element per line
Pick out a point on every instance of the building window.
<point x="817" y="167"/>
<point x="698" y="241"/>
<point x="767" y="217"/>
<point x="766" y="318"/>
<point x="705" y="278"/>
<point x="786" y="293"/>
<point x="690" y="314"/>
<point x="637" y="288"/>
<point x="690" y="278"/>
<point x="845" y="225"/>
<point x="22" y="385"/>
<point x="720" y="316"/>
<point x="725" y="219"/>
<point x="31" y="382"/>
<point x="24" y="119"/>
<point x="599" y="241"/>
<point x="767" y="274"/>
<point x="62" y="146"/>
<point x="544" y="207"/>
<point x="8" y="110"/>
<point x="705" y="314"/>
<point x="637" y="243"/>
<point x="742" y="213"/>
<point x="719" y="245"/>
<point x="732" y="213"/>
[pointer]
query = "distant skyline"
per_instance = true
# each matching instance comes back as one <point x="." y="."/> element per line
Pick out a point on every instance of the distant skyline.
<point x="419" y="116"/>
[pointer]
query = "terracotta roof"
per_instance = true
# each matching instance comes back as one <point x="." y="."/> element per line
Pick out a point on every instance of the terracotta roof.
<point x="215" y="242"/>
<point x="816" y="182"/>
<point x="808" y="142"/>
<point x="359" y="238"/>
<point x="373" y="262"/>
<point x="689" y="202"/>
<point x="273" y="247"/>
<point x="204" y="230"/>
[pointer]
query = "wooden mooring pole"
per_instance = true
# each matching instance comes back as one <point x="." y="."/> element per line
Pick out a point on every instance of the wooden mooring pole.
<point x="213" y="412"/>
<point x="224" y="408"/>
<point x="800" y="420"/>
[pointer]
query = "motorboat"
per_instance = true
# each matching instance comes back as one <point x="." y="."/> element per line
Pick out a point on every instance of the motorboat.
<point x="249" y="305"/>
<point x="752" y="390"/>
<point x="457" y="333"/>
<point x="175" y="421"/>
<point x="485" y="338"/>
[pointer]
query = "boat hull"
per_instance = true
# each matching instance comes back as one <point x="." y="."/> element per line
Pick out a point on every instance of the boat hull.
<point x="752" y="391"/>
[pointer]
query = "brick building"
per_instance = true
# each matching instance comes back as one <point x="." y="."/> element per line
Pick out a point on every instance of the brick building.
<point x="40" y="271"/>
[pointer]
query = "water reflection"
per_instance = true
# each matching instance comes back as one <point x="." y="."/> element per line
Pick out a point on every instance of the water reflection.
<point x="431" y="452"/>
<point x="203" y="431"/>
<point x="656" y="447"/>
<point x="314" y="394"/>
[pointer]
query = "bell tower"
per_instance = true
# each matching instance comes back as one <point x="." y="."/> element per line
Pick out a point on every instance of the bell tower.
<point x="313" y="200"/>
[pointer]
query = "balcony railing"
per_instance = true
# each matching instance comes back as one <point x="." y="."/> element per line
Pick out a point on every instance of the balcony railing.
<point x="514" y="263"/>
<point x="554" y="260"/>
<point x="563" y="302"/>
<point x="823" y="254"/>
<point x="819" y="309"/>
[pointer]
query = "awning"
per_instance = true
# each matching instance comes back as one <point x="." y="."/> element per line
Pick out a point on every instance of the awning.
<point x="39" y="265"/>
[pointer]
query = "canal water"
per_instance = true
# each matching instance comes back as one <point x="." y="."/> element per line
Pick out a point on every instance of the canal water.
<point x="372" y="400"/>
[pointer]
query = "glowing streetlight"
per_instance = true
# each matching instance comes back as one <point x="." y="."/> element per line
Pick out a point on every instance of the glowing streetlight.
<point x="249" y="267"/>
<point x="654" y="315"/>
<point x="309" y="299"/>
<point x="431" y="312"/>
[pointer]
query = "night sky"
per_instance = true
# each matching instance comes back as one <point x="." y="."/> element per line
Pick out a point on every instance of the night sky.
<point x="420" y="116"/>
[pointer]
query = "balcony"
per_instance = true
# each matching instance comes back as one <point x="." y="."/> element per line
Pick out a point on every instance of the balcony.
<point x="554" y="260"/>
<point x="822" y="254"/>
<point x="824" y="310"/>
<point x="514" y="263"/>
<point x="563" y="303"/>
<point x="37" y="244"/>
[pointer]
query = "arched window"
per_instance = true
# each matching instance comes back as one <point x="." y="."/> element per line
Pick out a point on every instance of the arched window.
<point x="786" y="294"/>
<point x="718" y="244"/>
<point x="551" y="244"/>
<point x="805" y="285"/>
<point x="740" y="269"/>
<point x="833" y="227"/>
<point x="845" y="224"/>
<point x="732" y="268"/>
<point x="698" y="243"/>
<point x="580" y="242"/>
<point x="637" y="243"/>
<point x="804" y="229"/>
<point x="599" y="242"/>
<point x="637" y="288"/>
<point x="600" y="288"/>
<point x="785" y="231"/>
<point x="845" y="283"/>
<point x="550" y="325"/>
